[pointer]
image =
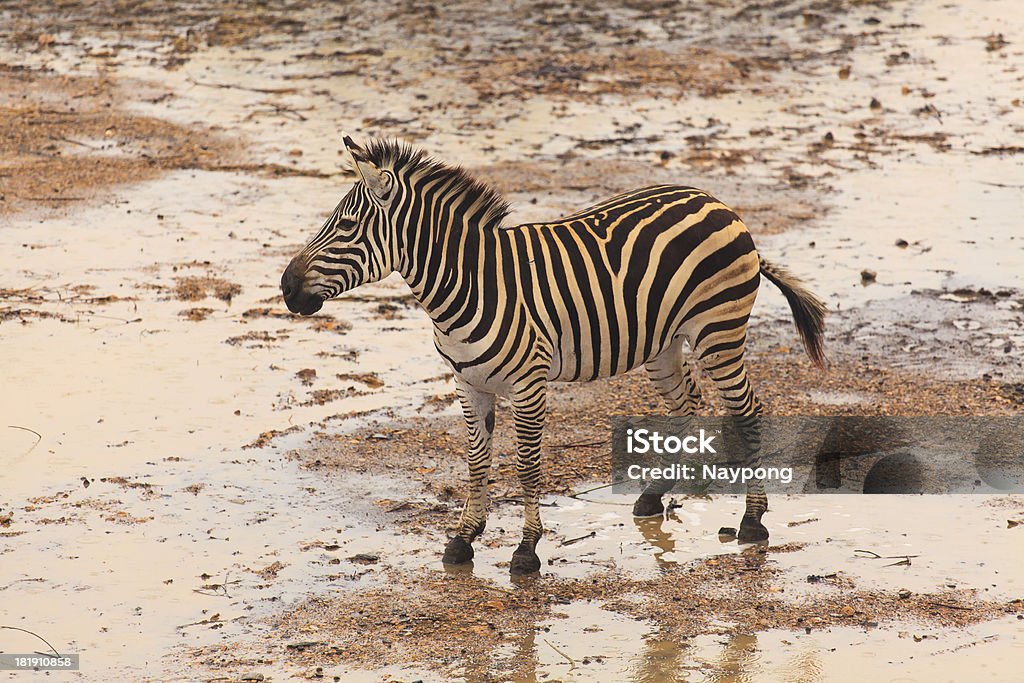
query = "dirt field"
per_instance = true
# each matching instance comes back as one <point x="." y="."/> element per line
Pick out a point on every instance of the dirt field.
<point x="202" y="486"/>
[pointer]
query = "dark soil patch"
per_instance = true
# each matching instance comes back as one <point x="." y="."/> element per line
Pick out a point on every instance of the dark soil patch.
<point x="67" y="137"/>
<point x="182" y="27"/>
<point x="197" y="288"/>
<point x="195" y="314"/>
<point x="625" y="70"/>
<point x="725" y="595"/>
<point x="577" y="443"/>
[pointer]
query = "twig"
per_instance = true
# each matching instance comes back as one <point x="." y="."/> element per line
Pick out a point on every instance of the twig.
<point x="279" y="109"/>
<point x="39" y="437"/>
<point x="27" y="430"/>
<point x="212" y="588"/>
<point x="609" y="564"/>
<point x="54" y="199"/>
<point x="73" y="142"/>
<point x="572" y="663"/>
<point x="518" y="500"/>
<point x="876" y="556"/>
<point x="126" y="321"/>
<point x="270" y="91"/>
<point x="596" y="488"/>
<point x="949" y="605"/>
<point x="593" y="142"/>
<point x="274" y="169"/>
<point x="905" y="562"/>
<point x="592" y="534"/>
<point x="25" y="630"/>
<point x="215" y="619"/>
<point x="584" y="444"/>
<point x="986" y="182"/>
<point x="328" y="74"/>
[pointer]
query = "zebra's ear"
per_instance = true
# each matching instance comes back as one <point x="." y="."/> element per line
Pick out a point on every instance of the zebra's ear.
<point x="378" y="181"/>
<point x="352" y="148"/>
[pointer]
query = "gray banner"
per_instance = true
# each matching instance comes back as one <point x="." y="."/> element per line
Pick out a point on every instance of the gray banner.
<point x="34" y="661"/>
<point x="819" y="454"/>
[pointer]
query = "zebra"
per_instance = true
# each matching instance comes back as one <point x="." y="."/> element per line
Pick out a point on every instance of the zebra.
<point x="624" y="283"/>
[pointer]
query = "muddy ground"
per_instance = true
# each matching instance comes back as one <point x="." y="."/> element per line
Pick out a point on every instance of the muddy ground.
<point x="204" y="487"/>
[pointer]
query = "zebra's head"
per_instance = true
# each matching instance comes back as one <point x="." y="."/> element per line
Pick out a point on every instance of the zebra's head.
<point x="353" y="247"/>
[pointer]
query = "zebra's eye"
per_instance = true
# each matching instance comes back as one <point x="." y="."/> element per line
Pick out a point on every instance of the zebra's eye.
<point x="346" y="223"/>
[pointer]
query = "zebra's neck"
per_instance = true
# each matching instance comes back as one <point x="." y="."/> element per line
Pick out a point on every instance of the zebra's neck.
<point x="449" y="253"/>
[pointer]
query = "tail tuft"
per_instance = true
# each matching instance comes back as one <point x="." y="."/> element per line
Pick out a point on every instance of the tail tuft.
<point x="808" y="310"/>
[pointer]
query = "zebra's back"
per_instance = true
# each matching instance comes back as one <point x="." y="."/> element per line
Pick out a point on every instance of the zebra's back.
<point x="609" y="287"/>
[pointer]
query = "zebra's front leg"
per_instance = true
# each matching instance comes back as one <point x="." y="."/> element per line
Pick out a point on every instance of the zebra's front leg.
<point x="478" y="408"/>
<point x="529" y="408"/>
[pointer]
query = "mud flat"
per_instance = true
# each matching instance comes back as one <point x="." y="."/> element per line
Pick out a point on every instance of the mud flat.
<point x="202" y="486"/>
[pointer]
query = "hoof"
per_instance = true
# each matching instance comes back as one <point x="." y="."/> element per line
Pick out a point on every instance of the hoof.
<point x="752" y="531"/>
<point x="524" y="561"/>
<point x="648" y="505"/>
<point x="457" y="551"/>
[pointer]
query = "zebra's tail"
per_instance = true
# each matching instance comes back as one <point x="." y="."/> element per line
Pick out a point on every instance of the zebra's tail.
<point x="808" y="310"/>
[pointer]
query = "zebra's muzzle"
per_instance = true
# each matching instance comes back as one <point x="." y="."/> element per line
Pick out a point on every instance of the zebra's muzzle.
<point x="293" y="287"/>
<point x="307" y="305"/>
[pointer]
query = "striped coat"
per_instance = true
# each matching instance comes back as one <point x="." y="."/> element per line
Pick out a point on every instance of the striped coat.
<point x="625" y="283"/>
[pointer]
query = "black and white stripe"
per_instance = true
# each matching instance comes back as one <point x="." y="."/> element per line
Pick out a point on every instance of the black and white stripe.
<point x="622" y="284"/>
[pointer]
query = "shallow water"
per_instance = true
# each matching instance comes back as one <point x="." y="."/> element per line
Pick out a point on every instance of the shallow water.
<point x="832" y="527"/>
<point x="898" y="652"/>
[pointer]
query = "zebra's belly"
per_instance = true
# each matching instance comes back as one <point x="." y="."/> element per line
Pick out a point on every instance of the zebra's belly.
<point x="485" y="365"/>
<point x="499" y="373"/>
<point x="588" y="363"/>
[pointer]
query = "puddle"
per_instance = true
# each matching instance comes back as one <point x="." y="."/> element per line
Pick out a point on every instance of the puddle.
<point x="968" y="238"/>
<point x="608" y="650"/>
<point x="829" y="528"/>
<point x="116" y="549"/>
<point x="584" y="642"/>
<point x="899" y="653"/>
<point x="614" y="648"/>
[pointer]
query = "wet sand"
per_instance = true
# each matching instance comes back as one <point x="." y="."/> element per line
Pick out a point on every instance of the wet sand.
<point x="201" y="486"/>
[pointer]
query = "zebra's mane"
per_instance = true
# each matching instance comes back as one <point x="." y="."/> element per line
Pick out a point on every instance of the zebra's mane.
<point x="405" y="159"/>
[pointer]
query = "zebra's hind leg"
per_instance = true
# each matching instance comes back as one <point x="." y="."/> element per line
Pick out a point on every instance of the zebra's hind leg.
<point x="478" y="409"/>
<point x="723" y="362"/>
<point x="529" y="409"/>
<point x="670" y="374"/>
<point x="751" y="528"/>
